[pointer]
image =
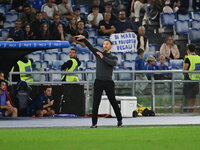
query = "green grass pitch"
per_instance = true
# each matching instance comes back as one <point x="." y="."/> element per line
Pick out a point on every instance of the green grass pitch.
<point x="102" y="138"/>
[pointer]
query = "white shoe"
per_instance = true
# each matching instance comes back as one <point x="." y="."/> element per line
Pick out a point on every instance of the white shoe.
<point x="144" y="22"/>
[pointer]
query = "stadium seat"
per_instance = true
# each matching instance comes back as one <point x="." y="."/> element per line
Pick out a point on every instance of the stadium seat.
<point x="147" y="54"/>
<point x="119" y="56"/>
<point x="50" y="57"/>
<point x="91" y="76"/>
<point x="92" y="32"/>
<point x="90" y="64"/>
<point x="195" y="24"/>
<point x="196" y="15"/>
<point x="36" y="65"/>
<point x="11" y="16"/>
<point x="83" y="56"/>
<point x="100" y="40"/>
<point x="153" y="47"/>
<point x="167" y="19"/>
<point x="184" y="17"/>
<point x="99" y="47"/>
<point x="194" y="35"/>
<point x="57" y="64"/>
<point x="4" y="33"/>
<point x="176" y="64"/>
<point x="129" y="64"/>
<point x="66" y="50"/>
<point x="3" y="9"/>
<point x="92" y="40"/>
<point x="9" y="24"/>
<point x="124" y="76"/>
<point x="36" y="4"/>
<point x="82" y="49"/>
<point x="181" y="27"/>
<point x="64" y="56"/>
<point x="55" y="77"/>
<point x="130" y="55"/>
<point x="55" y="50"/>
<point x="83" y="65"/>
<point x="44" y="64"/>
<point x="35" y="56"/>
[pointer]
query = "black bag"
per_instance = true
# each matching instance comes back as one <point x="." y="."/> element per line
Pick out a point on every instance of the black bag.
<point x="23" y="99"/>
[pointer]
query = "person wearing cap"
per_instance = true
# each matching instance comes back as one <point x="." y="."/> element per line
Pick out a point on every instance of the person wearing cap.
<point x="151" y="65"/>
<point x="191" y="63"/>
<point x="5" y="106"/>
<point x="95" y="17"/>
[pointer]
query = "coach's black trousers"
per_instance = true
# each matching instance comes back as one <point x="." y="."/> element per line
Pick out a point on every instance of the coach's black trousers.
<point x="109" y="87"/>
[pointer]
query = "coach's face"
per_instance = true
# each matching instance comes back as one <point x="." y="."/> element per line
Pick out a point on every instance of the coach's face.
<point x="107" y="46"/>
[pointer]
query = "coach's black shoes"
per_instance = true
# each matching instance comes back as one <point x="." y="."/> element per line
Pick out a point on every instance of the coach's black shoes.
<point x="119" y="124"/>
<point x="94" y="126"/>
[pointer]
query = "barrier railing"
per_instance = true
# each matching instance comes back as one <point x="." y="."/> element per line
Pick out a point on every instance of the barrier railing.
<point x="86" y="82"/>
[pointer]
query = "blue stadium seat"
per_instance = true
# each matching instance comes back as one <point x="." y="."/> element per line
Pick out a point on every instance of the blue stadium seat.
<point x="99" y="47"/>
<point x="124" y="76"/>
<point x="195" y="24"/>
<point x="3" y="9"/>
<point x="64" y="56"/>
<point x="66" y="50"/>
<point x="90" y="77"/>
<point x="101" y="39"/>
<point x="181" y="27"/>
<point x="129" y="64"/>
<point x="9" y="24"/>
<point x="90" y="64"/>
<point x="44" y="64"/>
<point x="147" y="54"/>
<point x="55" y="50"/>
<point x="167" y="19"/>
<point x="83" y="56"/>
<point x="184" y="16"/>
<point x="50" y="57"/>
<point x="35" y="56"/>
<point x="194" y="35"/>
<point x="11" y="16"/>
<point x="55" y="77"/>
<point x="130" y="55"/>
<point x="92" y="40"/>
<point x="4" y="32"/>
<point x="83" y="8"/>
<point x="57" y="64"/>
<point x="92" y="32"/>
<point x="82" y="49"/>
<point x="83" y="65"/>
<point x="176" y="64"/>
<point x="119" y="56"/>
<point x="196" y="15"/>
<point x="36" y="65"/>
<point x="153" y="47"/>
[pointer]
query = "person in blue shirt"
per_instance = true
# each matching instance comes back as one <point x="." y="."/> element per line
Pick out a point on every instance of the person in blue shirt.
<point x="44" y="101"/>
<point x="16" y="33"/>
<point x="139" y="65"/>
<point x="6" y="108"/>
<point x="163" y="66"/>
<point x="151" y="65"/>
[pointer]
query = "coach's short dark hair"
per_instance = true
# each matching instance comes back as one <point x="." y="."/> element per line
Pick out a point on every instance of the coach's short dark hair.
<point x="46" y="87"/>
<point x="108" y="41"/>
<point x="140" y="51"/>
<point x="191" y="47"/>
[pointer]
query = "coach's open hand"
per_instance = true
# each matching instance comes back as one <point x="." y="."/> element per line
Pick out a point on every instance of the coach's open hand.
<point x="80" y="37"/>
<point x="100" y="54"/>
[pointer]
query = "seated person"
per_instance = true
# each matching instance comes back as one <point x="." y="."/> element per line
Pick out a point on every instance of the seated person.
<point x="95" y="17"/>
<point x="44" y="102"/>
<point x="150" y="65"/>
<point x="59" y="33"/>
<point x="6" y="108"/>
<point x="163" y="66"/>
<point x="106" y="28"/>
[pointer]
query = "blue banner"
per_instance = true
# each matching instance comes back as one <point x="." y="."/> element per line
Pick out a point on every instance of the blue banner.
<point x="34" y="44"/>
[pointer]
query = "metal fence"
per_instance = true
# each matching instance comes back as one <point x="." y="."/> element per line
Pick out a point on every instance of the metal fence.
<point x="87" y="82"/>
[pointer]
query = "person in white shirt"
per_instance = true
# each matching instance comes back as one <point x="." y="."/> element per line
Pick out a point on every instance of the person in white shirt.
<point x="49" y="9"/>
<point x="95" y="17"/>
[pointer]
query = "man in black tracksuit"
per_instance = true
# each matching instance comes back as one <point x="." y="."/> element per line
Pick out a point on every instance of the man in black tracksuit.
<point x="104" y="70"/>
